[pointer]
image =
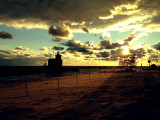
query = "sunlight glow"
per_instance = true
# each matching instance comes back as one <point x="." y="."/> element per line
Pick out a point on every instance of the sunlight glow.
<point x="126" y="50"/>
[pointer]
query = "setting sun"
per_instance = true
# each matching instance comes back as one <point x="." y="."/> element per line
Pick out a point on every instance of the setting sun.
<point x="125" y="50"/>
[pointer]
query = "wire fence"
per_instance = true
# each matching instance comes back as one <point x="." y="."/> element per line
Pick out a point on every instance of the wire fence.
<point x="43" y="81"/>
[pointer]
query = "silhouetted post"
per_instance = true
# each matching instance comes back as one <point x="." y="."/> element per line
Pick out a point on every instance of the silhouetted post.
<point x="89" y="74"/>
<point x="26" y="84"/>
<point x="99" y="71"/>
<point x="76" y="78"/>
<point x="58" y="80"/>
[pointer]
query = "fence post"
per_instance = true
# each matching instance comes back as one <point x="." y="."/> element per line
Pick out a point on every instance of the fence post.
<point x="26" y="84"/>
<point x="76" y="78"/>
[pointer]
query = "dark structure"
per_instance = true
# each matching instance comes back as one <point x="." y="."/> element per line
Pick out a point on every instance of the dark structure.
<point x="55" y="65"/>
<point x="153" y="67"/>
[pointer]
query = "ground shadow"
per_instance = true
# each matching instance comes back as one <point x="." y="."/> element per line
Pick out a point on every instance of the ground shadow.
<point x="133" y="98"/>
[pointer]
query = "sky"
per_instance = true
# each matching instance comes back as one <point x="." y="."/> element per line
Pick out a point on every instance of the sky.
<point x="85" y="32"/>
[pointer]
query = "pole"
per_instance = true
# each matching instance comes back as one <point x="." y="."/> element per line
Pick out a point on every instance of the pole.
<point x="76" y="78"/>
<point x="26" y="85"/>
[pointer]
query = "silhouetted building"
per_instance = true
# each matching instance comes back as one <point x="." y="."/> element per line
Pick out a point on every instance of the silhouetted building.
<point x="55" y="65"/>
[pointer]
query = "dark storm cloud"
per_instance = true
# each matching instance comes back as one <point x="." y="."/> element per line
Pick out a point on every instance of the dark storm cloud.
<point x="156" y="46"/>
<point x="85" y="29"/>
<point x="5" y="35"/>
<point x="150" y="7"/>
<point x="106" y="44"/>
<point x="57" y="48"/>
<point x="53" y="12"/>
<point x="61" y="31"/>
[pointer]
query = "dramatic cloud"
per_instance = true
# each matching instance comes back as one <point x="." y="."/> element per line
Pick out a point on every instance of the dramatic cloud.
<point x="156" y="46"/>
<point x="85" y="29"/>
<point x="106" y="44"/>
<point x="5" y="35"/>
<point x="115" y="54"/>
<point x="77" y="46"/>
<point x="138" y="15"/>
<point x="37" y="13"/>
<point x="140" y="52"/>
<point x="21" y="48"/>
<point x="154" y="57"/>
<point x="61" y="31"/>
<point x="57" y="48"/>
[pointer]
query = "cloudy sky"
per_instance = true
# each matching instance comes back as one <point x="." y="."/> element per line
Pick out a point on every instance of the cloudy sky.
<point x="86" y="32"/>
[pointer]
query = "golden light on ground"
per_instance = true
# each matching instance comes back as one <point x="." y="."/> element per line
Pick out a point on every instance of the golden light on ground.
<point x="126" y="50"/>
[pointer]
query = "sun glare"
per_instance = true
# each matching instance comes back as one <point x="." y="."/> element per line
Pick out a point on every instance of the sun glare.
<point x="126" y="50"/>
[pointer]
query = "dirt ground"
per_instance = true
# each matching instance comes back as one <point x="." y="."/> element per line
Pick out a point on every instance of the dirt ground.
<point x="104" y="96"/>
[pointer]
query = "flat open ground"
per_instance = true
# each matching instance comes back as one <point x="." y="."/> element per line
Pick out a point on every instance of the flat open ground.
<point x="104" y="96"/>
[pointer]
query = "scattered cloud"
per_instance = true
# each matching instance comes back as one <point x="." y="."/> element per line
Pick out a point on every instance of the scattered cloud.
<point x="73" y="43"/>
<point x="105" y="34"/>
<point x="21" y="48"/>
<point x="61" y="31"/>
<point x="130" y="38"/>
<point x="154" y="58"/>
<point x="103" y="54"/>
<point x="115" y="54"/>
<point x="5" y="35"/>
<point x="57" y="39"/>
<point x="156" y="46"/>
<point x="57" y="48"/>
<point x="150" y="51"/>
<point x="77" y="46"/>
<point x="44" y="48"/>
<point x="21" y="57"/>
<point x="140" y="52"/>
<point x="107" y="44"/>
<point x="85" y="29"/>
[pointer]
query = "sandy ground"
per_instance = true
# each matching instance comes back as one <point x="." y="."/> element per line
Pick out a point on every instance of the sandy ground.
<point x="104" y="96"/>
